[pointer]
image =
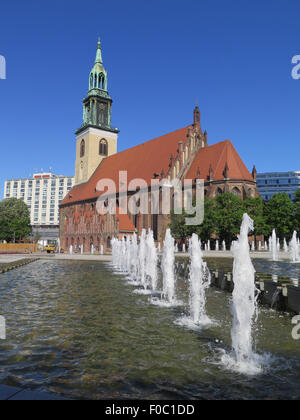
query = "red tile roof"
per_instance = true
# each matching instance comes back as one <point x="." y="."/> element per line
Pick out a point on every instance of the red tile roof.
<point x="141" y="161"/>
<point x="153" y="156"/>
<point x="217" y="156"/>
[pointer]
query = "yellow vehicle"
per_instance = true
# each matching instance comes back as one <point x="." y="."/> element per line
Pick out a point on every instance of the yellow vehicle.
<point x="51" y="247"/>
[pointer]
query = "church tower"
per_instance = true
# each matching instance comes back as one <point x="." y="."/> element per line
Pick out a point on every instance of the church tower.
<point x="96" y="138"/>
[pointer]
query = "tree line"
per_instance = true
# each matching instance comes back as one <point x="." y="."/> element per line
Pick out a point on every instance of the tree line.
<point x="14" y="220"/>
<point x="223" y="217"/>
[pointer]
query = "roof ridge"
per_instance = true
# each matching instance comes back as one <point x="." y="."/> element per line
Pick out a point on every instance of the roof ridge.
<point x="147" y="142"/>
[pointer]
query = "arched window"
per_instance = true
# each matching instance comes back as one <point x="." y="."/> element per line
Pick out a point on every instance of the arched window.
<point x="103" y="147"/>
<point x="95" y="82"/>
<point x="219" y="191"/>
<point x="82" y="148"/>
<point x="236" y="192"/>
<point x="91" y="81"/>
<point x="101" y="81"/>
<point x="251" y="193"/>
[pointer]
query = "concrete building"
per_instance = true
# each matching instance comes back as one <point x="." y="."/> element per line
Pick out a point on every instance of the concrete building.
<point x="42" y="194"/>
<point x="271" y="183"/>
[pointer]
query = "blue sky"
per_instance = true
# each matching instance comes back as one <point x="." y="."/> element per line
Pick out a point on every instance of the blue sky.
<point x="233" y="58"/>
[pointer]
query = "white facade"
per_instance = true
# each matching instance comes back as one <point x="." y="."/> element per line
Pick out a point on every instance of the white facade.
<point x="272" y="183"/>
<point x="42" y="193"/>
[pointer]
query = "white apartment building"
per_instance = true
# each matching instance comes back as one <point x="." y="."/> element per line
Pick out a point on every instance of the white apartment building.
<point x="42" y="194"/>
<point x="271" y="183"/>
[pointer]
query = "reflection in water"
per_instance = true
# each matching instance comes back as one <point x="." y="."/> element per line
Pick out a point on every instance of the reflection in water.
<point x="77" y="329"/>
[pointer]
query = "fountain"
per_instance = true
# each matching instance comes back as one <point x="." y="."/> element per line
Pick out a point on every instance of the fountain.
<point x="294" y="249"/>
<point x="142" y="259"/>
<point x="208" y="246"/>
<point x="124" y="255"/>
<point x="285" y="246"/>
<point x="128" y="254"/>
<point x="71" y="249"/>
<point x="244" y="305"/>
<point x="134" y="256"/>
<point x="151" y="261"/>
<point x="114" y="251"/>
<point x="253" y="246"/>
<point x="167" y="265"/>
<point x="184" y="248"/>
<point x="199" y="282"/>
<point x="217" y="245"/>
<point x="259" y="246"/>
<point x="101" y="250"/>
<point x="274" y="246"/>
<point x="266" y="246"/>
<point x="224" y="246"/>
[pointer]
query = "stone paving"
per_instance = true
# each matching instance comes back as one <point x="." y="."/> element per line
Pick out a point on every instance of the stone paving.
<point x="107" y="258"/>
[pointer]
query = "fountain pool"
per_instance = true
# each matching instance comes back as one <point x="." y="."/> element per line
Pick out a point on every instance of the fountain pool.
<point x="77" y="329"/>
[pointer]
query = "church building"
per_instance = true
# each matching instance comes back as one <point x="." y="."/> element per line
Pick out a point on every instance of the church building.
<point x="181" y="154"/>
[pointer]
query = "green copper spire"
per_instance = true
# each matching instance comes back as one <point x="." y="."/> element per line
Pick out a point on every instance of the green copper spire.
<point x="98" y="75"/>
<point x="97" y="104"/>
<point x="99" y="54"/>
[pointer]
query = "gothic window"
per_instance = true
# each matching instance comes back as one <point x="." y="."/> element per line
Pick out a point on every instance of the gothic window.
<point x="95" y="83"/>
<point x="82" y="148"/>
<point x="102" y="112"/>
<point x="236" y="192"/>
<point x="103" y="147"/>
<point x="101" y="81"/>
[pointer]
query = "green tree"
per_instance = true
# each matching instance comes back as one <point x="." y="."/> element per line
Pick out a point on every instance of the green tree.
<point x="296" y="211"/>
<point x="255" y="209"/>
<point x="297" y="197"/>
<point x="209" y="225"/>
<point x="181" y="231"/>
<point x="14" y="220"/>
<point x="279" y="212"/>
<point x="229" y="215"/>
<point x="178" y="226"/>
